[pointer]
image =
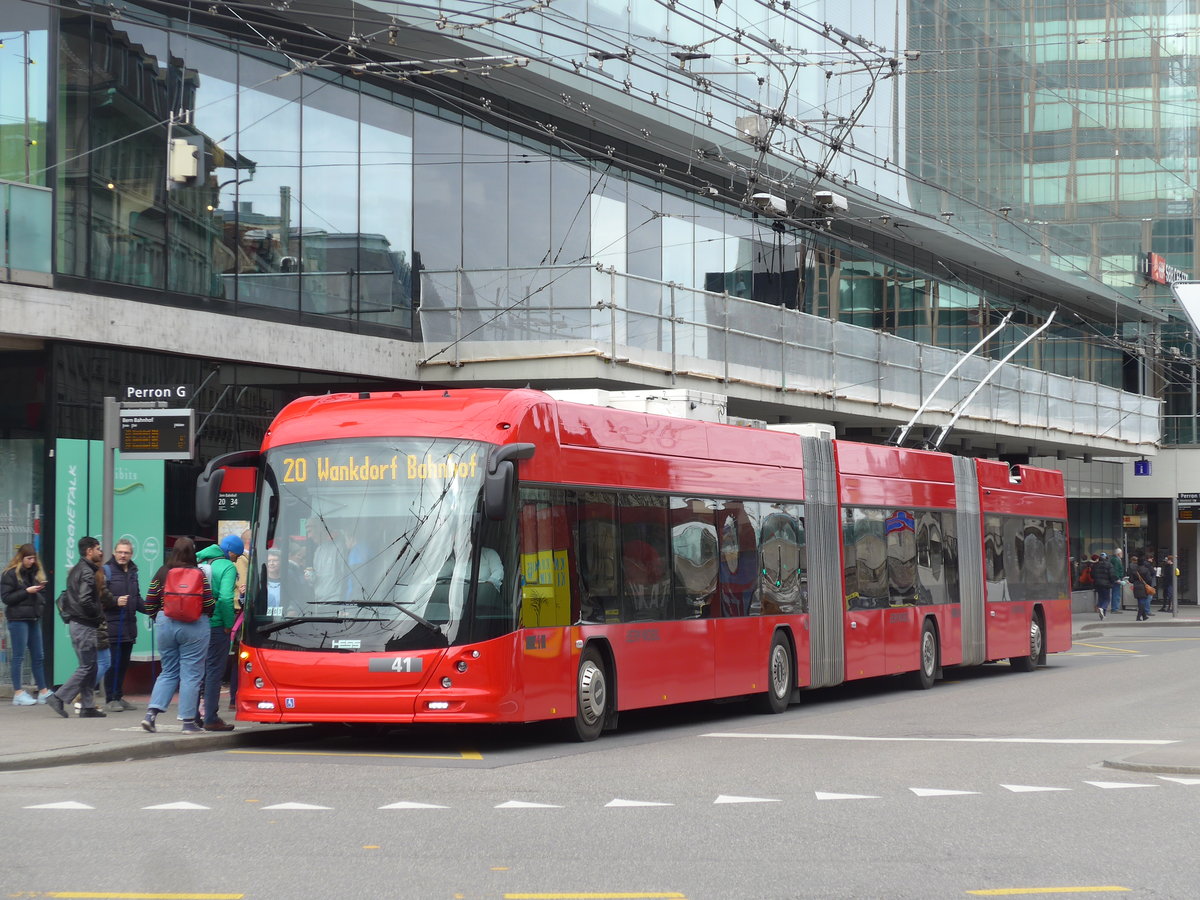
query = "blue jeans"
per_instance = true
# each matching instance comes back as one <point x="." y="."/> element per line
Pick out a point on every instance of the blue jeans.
<point x="103" y="663"/>
<point x="27" y="636"/>
<point x="214" y="671"/>
<point x="1116" y="595"/>
<point x="182" y="646"/>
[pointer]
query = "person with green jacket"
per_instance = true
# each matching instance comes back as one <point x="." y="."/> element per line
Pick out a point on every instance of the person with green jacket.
<point x="219" y="561"/>
<point x="1118" y="578"/>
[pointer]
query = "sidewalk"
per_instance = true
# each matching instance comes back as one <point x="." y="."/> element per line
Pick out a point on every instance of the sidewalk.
<point x="1182" y="758"/>
<point x="33" y="737"/>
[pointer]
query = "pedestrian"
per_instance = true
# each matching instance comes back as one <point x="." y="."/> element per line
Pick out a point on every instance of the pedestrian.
<point x="122" y="574"/>
<point x="222" y="561"/>
<point x="1118" y="579"/>
<point x="85" y="601"/>
<point x="239" y="602"/>
<point x="1141" y="576"/>
<point x="181" y="602"/>
<point x="23" y="590"/>
<point x="1166" y="584"/>
<point x="1102" y="582"/>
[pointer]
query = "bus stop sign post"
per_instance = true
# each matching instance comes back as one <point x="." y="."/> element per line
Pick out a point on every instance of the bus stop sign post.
<point x="139" y="426"/>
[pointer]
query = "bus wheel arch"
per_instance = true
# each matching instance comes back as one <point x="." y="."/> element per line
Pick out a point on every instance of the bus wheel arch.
<point x="781" y="675"/>
<point x="929" y="657"/>
<point x="1037" y="644"/>
<point x="595" y="693"/>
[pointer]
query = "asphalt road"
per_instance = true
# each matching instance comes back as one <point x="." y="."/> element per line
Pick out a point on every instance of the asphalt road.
<point x="991" y="782"/>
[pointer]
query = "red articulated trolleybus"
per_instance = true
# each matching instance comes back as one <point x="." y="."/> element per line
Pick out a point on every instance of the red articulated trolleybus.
<point x="502" y="556"/>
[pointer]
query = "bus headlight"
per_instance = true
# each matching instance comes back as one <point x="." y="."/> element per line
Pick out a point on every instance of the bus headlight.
<point x="446" y="682"/>
<point x="461" y="665"/>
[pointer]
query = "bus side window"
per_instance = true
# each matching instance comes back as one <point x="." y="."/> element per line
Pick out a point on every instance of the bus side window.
<point x="694" y="557"/>
<point x="545" y="564"/>
<point x="645" y="578"/>
<point x="596" y="540"/>
<point x="739" y="564"/>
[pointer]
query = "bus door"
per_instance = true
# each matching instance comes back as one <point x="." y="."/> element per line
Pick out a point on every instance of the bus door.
<point x="901" y="621"/>
<point x="1005" y="617"/>
<point x="867" y="596"/>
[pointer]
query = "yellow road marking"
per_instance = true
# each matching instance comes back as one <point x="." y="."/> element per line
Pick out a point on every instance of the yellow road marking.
<point x="1082" y="889"/>
<point x="465" y="754"/>
<point x="1103" y="647"/>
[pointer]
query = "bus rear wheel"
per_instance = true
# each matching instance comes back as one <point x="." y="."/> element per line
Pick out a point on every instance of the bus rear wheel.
<point x="927" y="660"/>
<point x="780" y="678"/>
<point x="1037" y="642"/>
<point x="591" y="697"/>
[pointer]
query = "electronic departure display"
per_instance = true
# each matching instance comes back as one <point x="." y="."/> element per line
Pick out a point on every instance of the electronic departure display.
<point x="157" y="433"/>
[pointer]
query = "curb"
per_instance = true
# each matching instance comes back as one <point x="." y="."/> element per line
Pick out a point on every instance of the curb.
<point x="1169" y="768"/>
<point x="155" y="745"/>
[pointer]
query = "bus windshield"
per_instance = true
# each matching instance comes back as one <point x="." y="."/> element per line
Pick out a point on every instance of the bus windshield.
<point x="370" y="545"/>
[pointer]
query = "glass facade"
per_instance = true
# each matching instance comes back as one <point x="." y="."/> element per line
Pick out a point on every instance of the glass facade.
<point x="324" y="190"/>
<point x="302" y="202"/>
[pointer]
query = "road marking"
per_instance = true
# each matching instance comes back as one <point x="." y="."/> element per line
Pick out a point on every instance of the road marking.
<point x="408" y="804"/>
<point x="1021" y="892"/>
<point x="524" y="804"/>
<point x="822" y="795"/>
<point x="1117" y="785"/>
<point x="1029" y="789"/>
<point x="724" y="798"/>
<point x="620" y="802"/>
<point x="938" y="792"/>
<point x="65" y="804"/>
<point x="294" y="806"/>
<point x="465" y="754"/>
<point x="1180" y="780"/>
<point x="930" y="740"/>
<point x="182" y="804"/>
<point x="1101" y="647"/>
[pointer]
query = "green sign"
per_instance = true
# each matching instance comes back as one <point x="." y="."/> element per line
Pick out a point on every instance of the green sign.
<point x="138" y="500"/>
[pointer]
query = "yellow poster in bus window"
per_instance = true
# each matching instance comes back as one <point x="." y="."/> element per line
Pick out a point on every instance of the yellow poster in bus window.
<point x="545" y="591"/>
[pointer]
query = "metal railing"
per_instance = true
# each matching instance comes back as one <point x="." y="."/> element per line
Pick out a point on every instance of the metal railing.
<point x="682" y="331"/>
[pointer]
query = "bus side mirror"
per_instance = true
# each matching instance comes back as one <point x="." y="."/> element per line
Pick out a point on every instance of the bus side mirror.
<point x="500" y="478"/>
<point x="208" y="483"/>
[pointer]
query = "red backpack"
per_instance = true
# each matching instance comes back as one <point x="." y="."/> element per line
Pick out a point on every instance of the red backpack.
<point x="183" y="594"/>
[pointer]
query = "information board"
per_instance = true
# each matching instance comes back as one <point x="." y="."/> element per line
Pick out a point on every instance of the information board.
<point x="158" y="433"/>
<point x="1188" y="507"/>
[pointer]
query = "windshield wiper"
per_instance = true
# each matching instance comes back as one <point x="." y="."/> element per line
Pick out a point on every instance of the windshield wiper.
<point x="300" y="620"/>
<point x="394" y="605"/>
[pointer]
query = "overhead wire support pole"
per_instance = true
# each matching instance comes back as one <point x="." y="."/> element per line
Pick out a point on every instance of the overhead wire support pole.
<point x="900" y="434"/>
<point x="936" y="443"/>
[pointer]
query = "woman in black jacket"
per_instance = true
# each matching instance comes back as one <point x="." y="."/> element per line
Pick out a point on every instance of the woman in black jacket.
<point x="23" y="590"/>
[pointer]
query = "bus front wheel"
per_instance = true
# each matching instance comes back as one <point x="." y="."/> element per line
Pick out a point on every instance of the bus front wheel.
<point x="591" y="697"/>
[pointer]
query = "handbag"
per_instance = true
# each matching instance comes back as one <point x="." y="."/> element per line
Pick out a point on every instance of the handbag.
<point x="1150" y="591"/>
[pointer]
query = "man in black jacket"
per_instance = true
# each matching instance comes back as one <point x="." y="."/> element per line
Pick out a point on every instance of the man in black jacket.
<point x="83" y="608"/>
<point x="121" y="579"/>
